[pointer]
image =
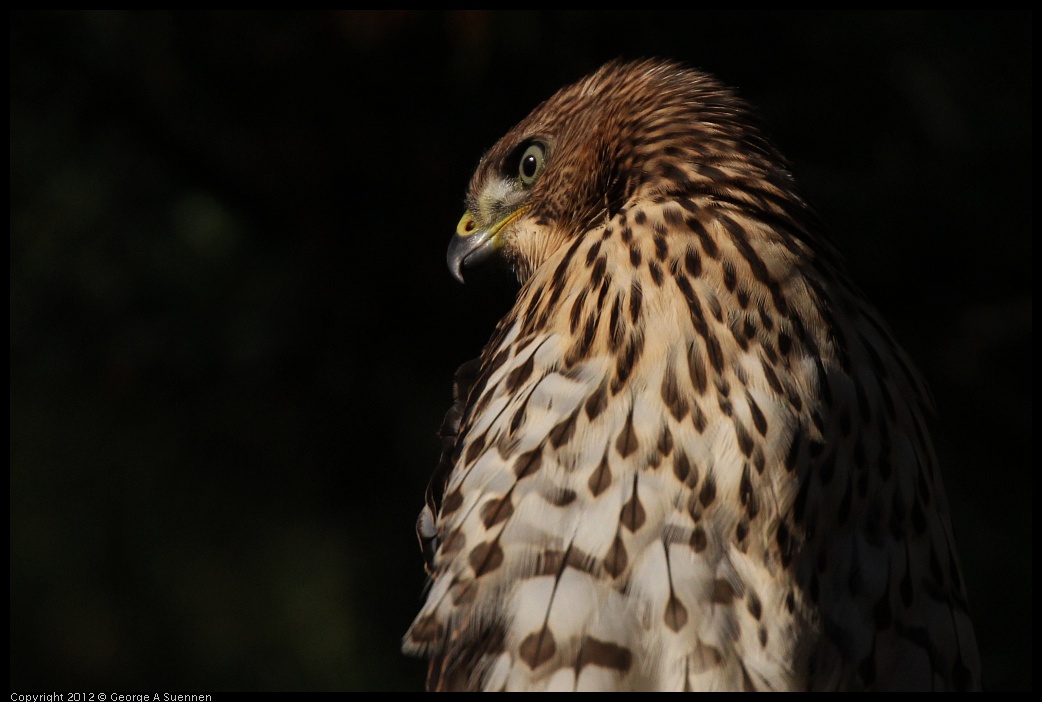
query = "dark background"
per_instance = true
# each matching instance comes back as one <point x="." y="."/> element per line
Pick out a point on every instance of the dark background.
<point x="233" y="332"/>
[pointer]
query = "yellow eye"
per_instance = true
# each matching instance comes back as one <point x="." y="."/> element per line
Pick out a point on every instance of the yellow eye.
<point x="531" y="163"/>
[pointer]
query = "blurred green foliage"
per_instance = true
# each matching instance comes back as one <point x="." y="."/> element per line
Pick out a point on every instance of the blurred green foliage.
<point x="233" y="333"/>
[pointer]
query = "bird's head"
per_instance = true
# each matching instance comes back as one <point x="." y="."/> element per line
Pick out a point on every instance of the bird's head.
<point x="527" y="195"/>
<point x="628" y="129"/>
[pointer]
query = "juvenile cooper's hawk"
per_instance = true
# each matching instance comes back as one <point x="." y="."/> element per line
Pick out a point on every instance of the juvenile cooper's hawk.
<point x="691" y="456"/>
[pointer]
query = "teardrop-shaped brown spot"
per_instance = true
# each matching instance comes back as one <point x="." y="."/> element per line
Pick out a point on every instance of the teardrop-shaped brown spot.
<point x="665" y="442"/>
<point x="632" y="515"/>
<point x="698" y="539"/>
<point x="453" y="543"/>
<point x="676" y="614"/>
<point x="537" y="648"/>
<point x="564" y="430"/>
<point x="600" y="479"/>
<point x="474" y="449"/>
<point x="528" y="463"/>
<point x="496" y="511"/>
<point x="616" y="560"/>
<point x="708" y="492"/>
<point x="451" y="503"/>
<point x="752" y="603"/>
<point x="519" y="375"/>
<point x="627" y="442"/>
<point x="596" y="402"/>
<point x="485" y="558"/>
<point x="723" y="592"/>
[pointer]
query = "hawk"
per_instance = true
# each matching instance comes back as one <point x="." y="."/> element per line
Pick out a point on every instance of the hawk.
<point x="692" y="456"/>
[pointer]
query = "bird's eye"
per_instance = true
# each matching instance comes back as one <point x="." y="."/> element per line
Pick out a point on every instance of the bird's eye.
<point x="531" y="163"/>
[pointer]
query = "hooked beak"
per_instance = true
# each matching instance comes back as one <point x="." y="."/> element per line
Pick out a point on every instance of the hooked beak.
<point x="473" y="244"/>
